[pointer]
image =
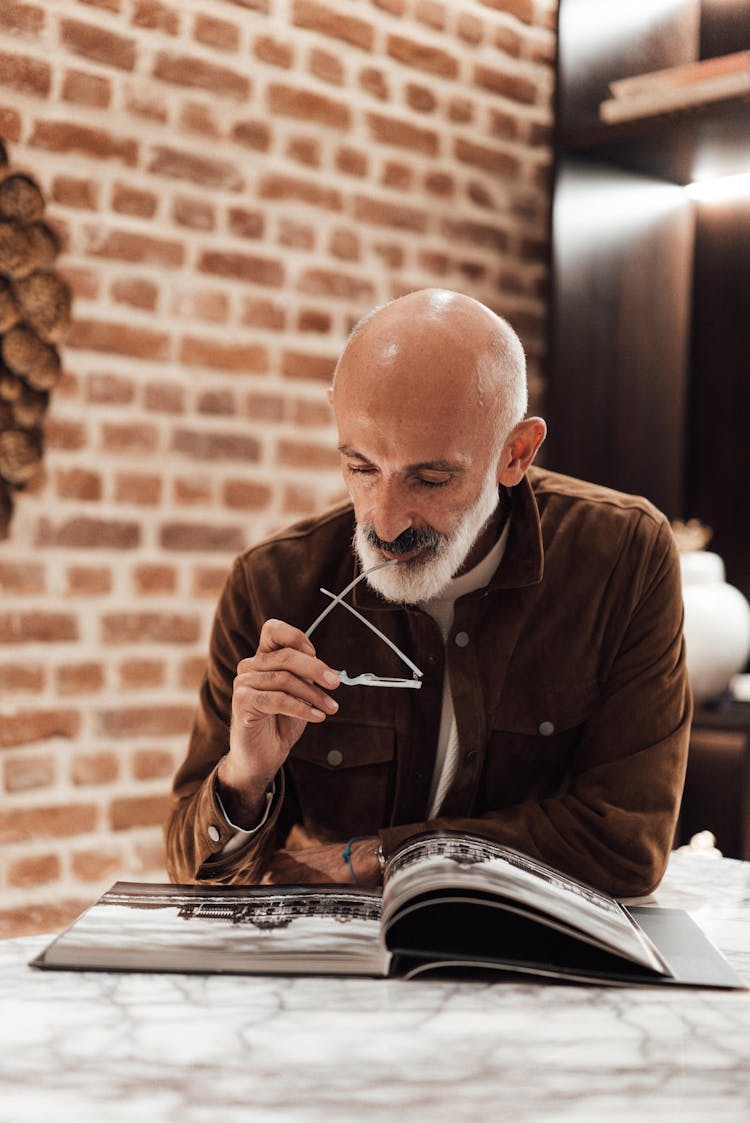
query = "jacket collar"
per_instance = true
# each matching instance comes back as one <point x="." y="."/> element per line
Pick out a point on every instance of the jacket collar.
<point x="522" y="563"/>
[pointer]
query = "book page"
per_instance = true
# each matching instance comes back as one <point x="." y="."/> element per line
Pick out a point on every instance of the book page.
<point x="449" y="861"/>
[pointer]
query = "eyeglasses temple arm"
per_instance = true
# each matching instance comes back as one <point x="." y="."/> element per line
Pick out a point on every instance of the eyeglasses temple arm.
<point x="337" y="597"/>
<point x="377" y="631"/>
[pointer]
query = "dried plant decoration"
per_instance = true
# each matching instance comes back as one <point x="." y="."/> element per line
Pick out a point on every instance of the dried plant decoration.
<point x="35" y="307"/>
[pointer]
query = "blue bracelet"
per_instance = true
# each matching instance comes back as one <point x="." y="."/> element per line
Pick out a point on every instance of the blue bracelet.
<point x="346" y="854"/>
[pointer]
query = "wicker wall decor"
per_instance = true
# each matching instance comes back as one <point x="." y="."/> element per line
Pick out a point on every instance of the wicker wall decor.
<point x="35" y="307"/>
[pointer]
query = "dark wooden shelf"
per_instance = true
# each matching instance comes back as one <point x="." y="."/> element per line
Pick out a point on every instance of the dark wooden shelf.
<point x="682" y="145"/>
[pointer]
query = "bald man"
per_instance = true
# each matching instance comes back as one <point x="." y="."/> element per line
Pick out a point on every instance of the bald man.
<point x="509" y="660"/>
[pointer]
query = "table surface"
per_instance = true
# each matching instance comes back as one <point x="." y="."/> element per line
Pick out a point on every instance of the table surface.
<point x="160" y="1048"/>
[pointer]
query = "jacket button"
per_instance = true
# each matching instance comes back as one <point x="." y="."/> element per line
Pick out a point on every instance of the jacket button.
<point x="547" y="728"/>
<point x="213" y="833"/>
<point x="334" y="758"/>
<point x="461" y="639"/>
<point x="470" y="757"/>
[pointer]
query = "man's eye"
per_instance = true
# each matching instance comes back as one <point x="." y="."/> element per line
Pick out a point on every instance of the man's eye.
<point x="360" y="469"/>
<point x="425" y="482"/>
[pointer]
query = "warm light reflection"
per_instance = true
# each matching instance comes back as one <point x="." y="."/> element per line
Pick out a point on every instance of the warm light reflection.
<point x="721" y="189"/>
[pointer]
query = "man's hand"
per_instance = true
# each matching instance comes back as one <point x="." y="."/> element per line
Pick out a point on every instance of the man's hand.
<point x="320" y="865"/>
<point x="275" y="694"/>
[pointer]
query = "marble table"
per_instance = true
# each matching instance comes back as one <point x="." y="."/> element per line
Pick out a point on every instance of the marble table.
<point x="118" y="1048"/>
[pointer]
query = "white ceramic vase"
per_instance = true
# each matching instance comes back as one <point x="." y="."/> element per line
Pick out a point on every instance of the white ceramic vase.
<point x="717" y="625"/>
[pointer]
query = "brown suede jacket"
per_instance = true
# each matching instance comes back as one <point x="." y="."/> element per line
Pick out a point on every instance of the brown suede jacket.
<point x="569" y="686"/>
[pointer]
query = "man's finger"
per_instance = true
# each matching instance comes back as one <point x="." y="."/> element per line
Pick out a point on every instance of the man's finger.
<point x="277" y="633"/>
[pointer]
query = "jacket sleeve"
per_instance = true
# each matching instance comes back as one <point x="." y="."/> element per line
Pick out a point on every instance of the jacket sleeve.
<point x="196" y="831"/>
<point x="614" y="824"/>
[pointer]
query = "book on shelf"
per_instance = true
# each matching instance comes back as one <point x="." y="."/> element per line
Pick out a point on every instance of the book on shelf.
<point x="453" y="905"/>
<point x="667" y="98"/>
<point x="685" y="74"/>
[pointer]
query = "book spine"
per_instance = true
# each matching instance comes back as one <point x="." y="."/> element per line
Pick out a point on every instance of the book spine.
<point x="664" y="100"/>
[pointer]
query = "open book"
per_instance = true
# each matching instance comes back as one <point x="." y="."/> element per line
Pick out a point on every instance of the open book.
<point x="453" y="905"/>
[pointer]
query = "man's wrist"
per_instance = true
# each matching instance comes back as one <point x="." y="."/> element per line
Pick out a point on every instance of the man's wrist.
<point x="243" y="802"/>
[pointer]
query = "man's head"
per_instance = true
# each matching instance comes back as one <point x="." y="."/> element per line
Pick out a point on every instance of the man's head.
<point x="429" y="397"/>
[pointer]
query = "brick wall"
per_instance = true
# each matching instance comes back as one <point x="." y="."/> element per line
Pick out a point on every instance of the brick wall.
<point x="234" y="184"/>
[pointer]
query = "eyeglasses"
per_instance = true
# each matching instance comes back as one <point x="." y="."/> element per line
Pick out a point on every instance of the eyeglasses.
<point x="368" y="679"/>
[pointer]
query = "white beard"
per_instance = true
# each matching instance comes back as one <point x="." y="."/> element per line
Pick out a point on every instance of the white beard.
<point x="423" y="578"/>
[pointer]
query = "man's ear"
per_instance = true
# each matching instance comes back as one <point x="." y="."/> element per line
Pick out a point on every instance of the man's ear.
<point x="520" y="449"/>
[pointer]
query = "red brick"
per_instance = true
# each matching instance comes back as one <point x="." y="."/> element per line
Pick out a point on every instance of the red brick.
<point x="136" y="292"/>
<point x="242" y="267"/>
<point x="379" y="213"/>
<point x="141" y="489"/>
<point x="305" y="150"/>
<point x="309" y="412"/>
<point x="109" y="389"/>
<point x="135" y="674"/>
<point x="515" y="87"/>
<point x="508" y="40"/>
<point x="300" y="499"/>
<point x="301" y="364"/>
<point x="37" y="870"/>
<point x="97" y="44"/>
<point x="291" y="189"/>
<point x="420" y="98"/>
<point x="38" y="627"/>
<point x="184" y="70"/>
<point x="15" y="679"/>
<point x="138" y="811"/>
<point x="314" y="319"/>
<point x="87" y="533"/>
<point x="87" y="89"/>
<point x="374" y="82"/>
<point x="217" y="33"/>
<point x="199" y="536"/>
<point x="306" y="105"/>
<point x="244" y="223"/>
<point x="80" y="678"/>
<point x="439" y="183"/>
<point x="165" y="397"/>
<point x="148" y="853"/>
<point x="196" y="214"/>
<point x="150" y="579"/>
<point x="30" y="771"/>
<point x="70" y="191"/>
<point x="21" y="577"/>
<point x="201" y="119"/>
<point x="129" y="437"/>
<point x="351" y="161"/>
<point x="255" y="134"/>
<point x="149" y="627"/>
<point x="296" y="235"/>
<point x="30" y="920"/>
<point x="88" y="580"/>
<point x="390" y="130"/>
<point x="19" y="824"/>
<point x="398" y="175"/>
<point x="433" y="262"/>
<point x="327" y="282"/>
<point x="264" y="407"/>
<point x="192" y="668"/>
<point x="123" y="245"/>
<point x="235" y="357"/>
<point x="142" y="100"/>
<point x="194" y="491"/>
<point x="327" y="20"/>
<point x="497" y="161"/>
<point x="521" y="9"/>
<point x="420" y="55"/>
<point x="394" y="7"/>
<point x="152" y="764"/>
<point x="246" y="495"/>
<point x="263" y="314"/>
<point x="477" y="233"/>
<point x="304" y="454"/>
<point x="10" y="123"/>
<point x="201" y="304"/>
<point x="208" y="581"/>
<point x="118" y="338"/>
<point x="460" y="110"/>
<point x="327" y="66"/>
<point x="94" y="768"/>
<point x="198" y="169"/>
<point x="130" y="200"/>
<point x="61" y="136"/>
<point x="470" y="28"/>
<point x="218" y="403"/>
<point x="95" y="865"/>
<point x="146" y="721"/>
<point x="21" y="19"/>
<point x="155" y="17"/>
<point x="24" y="75"/>
<point x="276" y="52"/>
<point x="78" y="483"/>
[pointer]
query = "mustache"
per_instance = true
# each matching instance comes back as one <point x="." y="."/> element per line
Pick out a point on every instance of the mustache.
<point x="413" y="538"/>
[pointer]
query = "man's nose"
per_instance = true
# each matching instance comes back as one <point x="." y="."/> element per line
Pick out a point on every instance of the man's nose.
<point x="390" y="515"/>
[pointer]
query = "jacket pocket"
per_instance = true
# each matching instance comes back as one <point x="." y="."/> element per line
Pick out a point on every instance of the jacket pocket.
<point x="532" y="743"/>
<point x="343" y="778"/>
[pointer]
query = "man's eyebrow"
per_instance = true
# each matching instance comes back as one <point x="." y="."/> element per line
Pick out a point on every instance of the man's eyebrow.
<point x="422" y="466"/>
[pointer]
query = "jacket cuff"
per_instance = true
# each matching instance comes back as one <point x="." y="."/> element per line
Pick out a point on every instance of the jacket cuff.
<point x="212" y="832"/>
